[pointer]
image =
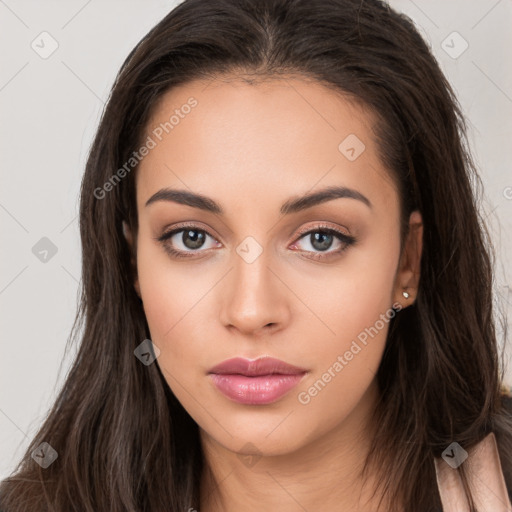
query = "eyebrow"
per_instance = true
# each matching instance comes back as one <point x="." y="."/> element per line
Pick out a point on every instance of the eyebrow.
<point x="293" y="205"/>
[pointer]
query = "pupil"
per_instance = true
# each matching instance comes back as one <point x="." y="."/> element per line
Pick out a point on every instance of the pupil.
<point x="196" y="237"/>
<point x="325" y="241"/>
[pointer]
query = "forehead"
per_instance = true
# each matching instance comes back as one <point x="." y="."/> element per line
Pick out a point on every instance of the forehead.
<point x="227" y="137"/>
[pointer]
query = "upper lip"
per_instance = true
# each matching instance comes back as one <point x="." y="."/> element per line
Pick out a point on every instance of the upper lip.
<point x="256" y="367"/>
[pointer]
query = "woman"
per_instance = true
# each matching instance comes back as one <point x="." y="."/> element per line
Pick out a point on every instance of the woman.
<point x="287" y="291"/>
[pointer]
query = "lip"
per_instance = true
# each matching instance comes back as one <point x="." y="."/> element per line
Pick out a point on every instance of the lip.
<point x="256" y="367"/>
<point x="255" y="382"/>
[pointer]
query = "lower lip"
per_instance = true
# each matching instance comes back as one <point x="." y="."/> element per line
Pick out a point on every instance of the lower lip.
<point x="261" y="390"/>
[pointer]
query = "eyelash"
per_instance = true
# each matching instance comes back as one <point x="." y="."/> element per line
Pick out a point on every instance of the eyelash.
<point x="347" y="240"/>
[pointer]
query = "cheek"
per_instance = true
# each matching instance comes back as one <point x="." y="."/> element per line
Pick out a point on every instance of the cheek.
<point x="358" y="294"/>
<point x="358" y="313"/>
<point x="345" y="368"/>
<point x="173" y="299"/>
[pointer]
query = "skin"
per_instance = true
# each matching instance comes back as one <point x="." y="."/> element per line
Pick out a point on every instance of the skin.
<point x="251" y="147"/>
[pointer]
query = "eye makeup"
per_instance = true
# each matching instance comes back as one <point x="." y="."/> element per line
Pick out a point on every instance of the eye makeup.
<point x="327" y="235"/>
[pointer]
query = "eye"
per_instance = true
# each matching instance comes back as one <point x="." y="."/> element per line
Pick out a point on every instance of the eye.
<point x="322" y="238"/>
<point x="185" y="241"/>
<point x="188" y="240"/>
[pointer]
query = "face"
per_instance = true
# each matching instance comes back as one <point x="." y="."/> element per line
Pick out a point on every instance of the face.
<point x="254" y="272"/>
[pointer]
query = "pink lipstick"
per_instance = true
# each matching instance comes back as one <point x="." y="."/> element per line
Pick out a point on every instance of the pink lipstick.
<point x="255" y="382"/>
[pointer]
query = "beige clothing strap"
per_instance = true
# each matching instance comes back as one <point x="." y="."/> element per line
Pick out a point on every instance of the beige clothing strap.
<point x="485" y="475"/>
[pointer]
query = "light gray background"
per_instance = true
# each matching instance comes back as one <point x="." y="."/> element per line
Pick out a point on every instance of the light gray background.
<point x="50" y="109"/>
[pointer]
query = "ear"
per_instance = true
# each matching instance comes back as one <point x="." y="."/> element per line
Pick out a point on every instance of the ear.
<point x="133" y="251"/>
<point x="408" y="275"/>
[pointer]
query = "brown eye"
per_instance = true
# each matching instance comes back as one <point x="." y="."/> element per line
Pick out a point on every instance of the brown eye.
<point x="193" y="239"/>
<point x="185" y="241"/>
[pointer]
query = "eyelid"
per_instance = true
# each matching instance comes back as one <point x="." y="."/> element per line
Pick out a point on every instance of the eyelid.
<point x="184" y="225"/>
<point x="321" y="226"/>
<point x="197" y="225"/>
<point x="177" y="228"/>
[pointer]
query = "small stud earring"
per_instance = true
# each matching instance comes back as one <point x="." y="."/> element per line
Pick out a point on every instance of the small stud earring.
<point x="405" y="294"/>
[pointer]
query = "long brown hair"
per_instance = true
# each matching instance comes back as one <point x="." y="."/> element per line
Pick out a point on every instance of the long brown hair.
<point x="123" y="440"/>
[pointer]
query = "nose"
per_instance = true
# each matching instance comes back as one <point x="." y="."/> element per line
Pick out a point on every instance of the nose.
<point x="254" y="298"/>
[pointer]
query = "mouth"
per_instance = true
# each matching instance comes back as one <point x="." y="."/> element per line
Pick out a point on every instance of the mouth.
<point x="255" y="382"/>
